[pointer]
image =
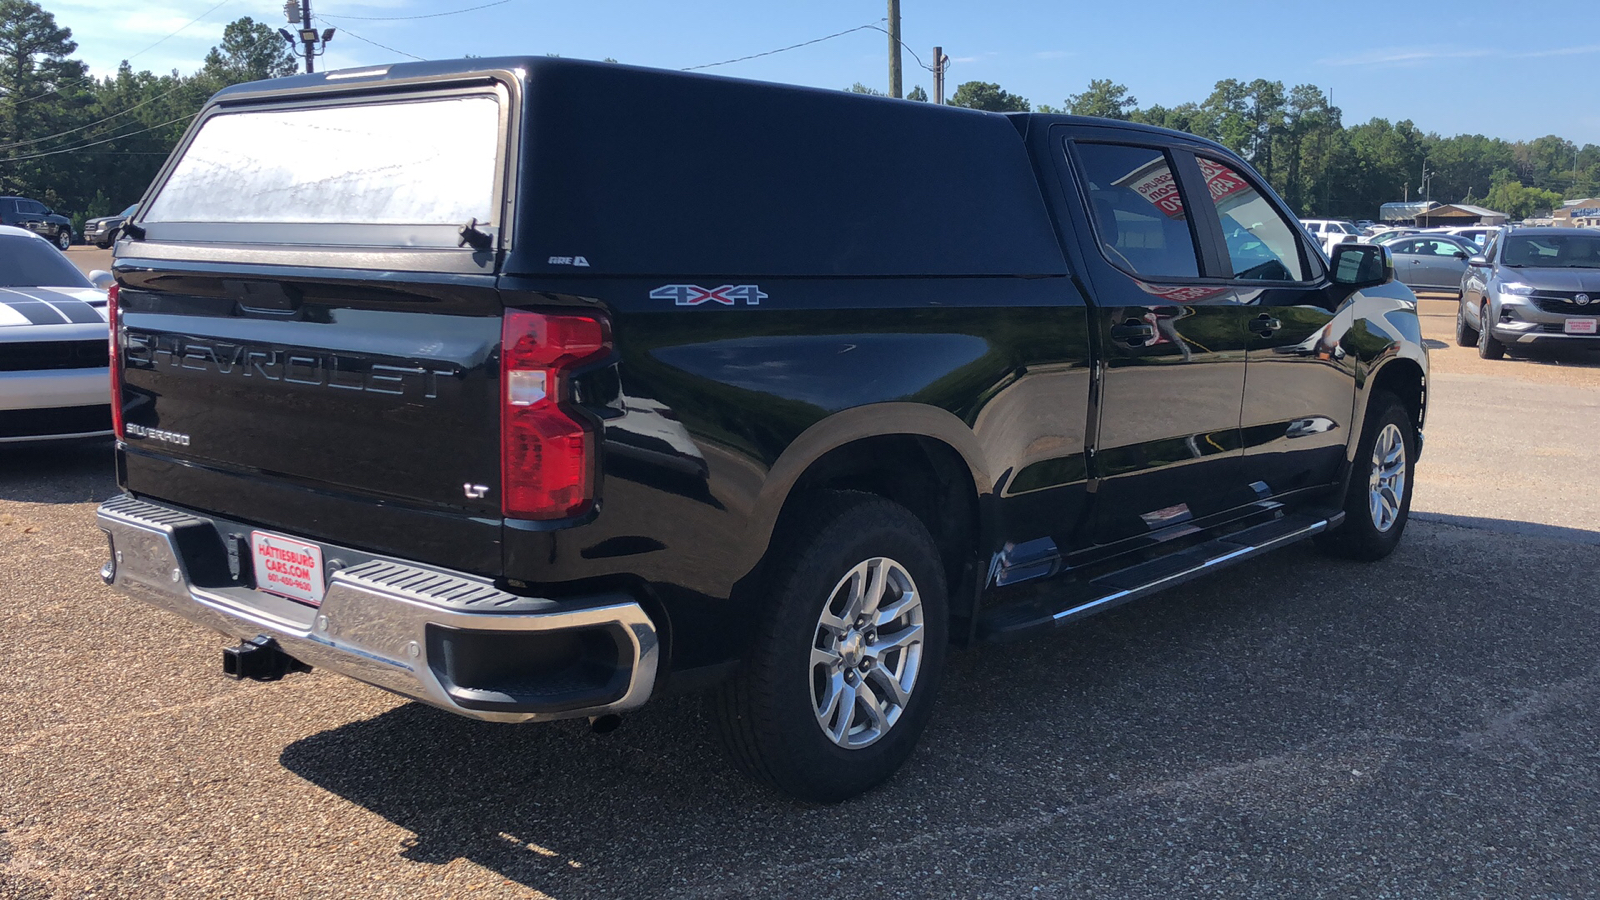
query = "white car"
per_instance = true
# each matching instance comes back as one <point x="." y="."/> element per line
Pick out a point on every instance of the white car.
<point x="1331" y="232"/>
<point x="1478" y="234"/>
<point x="55" y="383"/>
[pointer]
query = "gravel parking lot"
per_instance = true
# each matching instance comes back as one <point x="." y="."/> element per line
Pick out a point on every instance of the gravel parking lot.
<point x="1294" y="727"/>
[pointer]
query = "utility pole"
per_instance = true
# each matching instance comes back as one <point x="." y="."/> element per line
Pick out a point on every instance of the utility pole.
<point x="939" y="62"/>
<point x="299" y="12"/>
<point x="894" y="48"/>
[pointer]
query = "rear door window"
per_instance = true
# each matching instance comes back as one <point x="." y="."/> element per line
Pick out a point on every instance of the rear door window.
<point x="1138" y="210"/>
<point x="402" y="172"/>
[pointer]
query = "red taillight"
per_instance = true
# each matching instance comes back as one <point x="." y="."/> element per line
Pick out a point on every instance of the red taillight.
<point x="112" y="317"/>
<point x="546" y="453"/>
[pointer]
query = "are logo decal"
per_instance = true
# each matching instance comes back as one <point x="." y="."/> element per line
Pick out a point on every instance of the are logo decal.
<point x="694" y="294"/>
<point x="1582" y="299"/>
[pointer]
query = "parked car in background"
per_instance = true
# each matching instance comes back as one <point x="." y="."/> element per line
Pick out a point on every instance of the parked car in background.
<point x="54" y="377"/>
<point x="1477" y="234"/>
<point x="1391" y="234"/>
<point x="102" y="232"/>
<point x="1532" y="286"/>
<point x="1431" y="262"/>
<point x="37" y="218"/>
<point x="1332" y="232"/>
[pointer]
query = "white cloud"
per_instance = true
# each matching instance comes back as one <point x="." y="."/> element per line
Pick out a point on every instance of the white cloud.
<point x="1392" y="56"/>
<point x="1417" y="56"/>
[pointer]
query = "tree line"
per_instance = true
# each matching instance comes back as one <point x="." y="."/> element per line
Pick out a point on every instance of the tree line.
<point x="1298" y="141"/>
<point x="88" y="146"/>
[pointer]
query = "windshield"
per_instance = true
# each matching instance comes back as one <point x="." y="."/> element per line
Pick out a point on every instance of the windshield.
<point x="30" y="262"/>
<point x="1552" y="251"/>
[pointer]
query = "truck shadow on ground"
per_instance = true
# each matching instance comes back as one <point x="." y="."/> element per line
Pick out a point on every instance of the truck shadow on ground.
<point x="1282" y="653"/>
<point x="75" y="472"/>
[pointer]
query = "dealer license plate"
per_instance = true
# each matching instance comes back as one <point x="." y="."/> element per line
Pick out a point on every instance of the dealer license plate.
<point x="287" y="567"/>
<point x="1581" y="326"/>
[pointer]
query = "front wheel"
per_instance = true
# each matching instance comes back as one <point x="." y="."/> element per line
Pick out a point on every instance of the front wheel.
<point x="1378" y="501"/>
<point x="1466" y="335"/>
<point x="842" y="675"/>
<point x="1488" y="347"/>
<point x="64" y="238"/>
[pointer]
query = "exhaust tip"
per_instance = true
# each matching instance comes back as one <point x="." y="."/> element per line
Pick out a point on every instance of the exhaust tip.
<point x="604" y="724"/>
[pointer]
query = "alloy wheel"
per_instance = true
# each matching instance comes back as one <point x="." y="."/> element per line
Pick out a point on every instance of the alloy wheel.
<point x="1387" y="484"/>
<point x="866" y="653"/>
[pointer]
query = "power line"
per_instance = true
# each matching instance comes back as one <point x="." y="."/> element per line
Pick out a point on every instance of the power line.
<point x="376" y="44"/>
<point x="453" y="12"/>
<point x="181" y="86"/>
<point x="819" y="40"/>
<point x="108" y="140"/>
<point x="903" y="44"/>
<point x="61" y="87"/>
<point x="185" y="25"/>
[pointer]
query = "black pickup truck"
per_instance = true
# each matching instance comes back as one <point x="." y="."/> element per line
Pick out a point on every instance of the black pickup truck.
<point x="533" y="388"/>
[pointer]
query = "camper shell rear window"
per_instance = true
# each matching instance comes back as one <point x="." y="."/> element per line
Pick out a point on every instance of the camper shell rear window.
<point x="407" y="171"/>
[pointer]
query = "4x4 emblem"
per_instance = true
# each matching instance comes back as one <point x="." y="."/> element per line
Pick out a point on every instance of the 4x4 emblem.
<point x="694" y="294"/>
<point x="1582" y="299"/>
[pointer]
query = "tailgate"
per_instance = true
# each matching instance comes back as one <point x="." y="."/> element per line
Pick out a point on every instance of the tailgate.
<point x="345" y="388"/>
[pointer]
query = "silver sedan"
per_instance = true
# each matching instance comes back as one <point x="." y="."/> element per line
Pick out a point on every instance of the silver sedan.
<point x="1432" y="262"/>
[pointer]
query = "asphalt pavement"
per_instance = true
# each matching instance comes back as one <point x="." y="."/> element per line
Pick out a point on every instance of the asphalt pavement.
<point x="1294" y="727"/>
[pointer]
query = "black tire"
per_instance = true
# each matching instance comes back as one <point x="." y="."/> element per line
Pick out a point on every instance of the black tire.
<point x="766" y="713"/>
<point x="1488" y="347"/>
<point x="1466" y="335"/>
<point x="64" y="238"/>
<point x="105" y="246"/>
<point x="1360" y="536"/>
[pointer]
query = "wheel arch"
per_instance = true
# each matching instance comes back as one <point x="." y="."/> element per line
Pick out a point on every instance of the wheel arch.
<point x="1403" y="375"/>
<point x="921" y="457"/>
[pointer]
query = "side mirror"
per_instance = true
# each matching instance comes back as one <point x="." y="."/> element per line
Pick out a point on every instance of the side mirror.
<point x="1460" y="254"/>
<point x="1362" y="265"/>
<point x="1479" y="262"/>
<point x="102" y="279"/>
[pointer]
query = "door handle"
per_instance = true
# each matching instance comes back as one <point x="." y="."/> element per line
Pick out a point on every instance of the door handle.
<point x="1135" y="331"/>
<point x="1265" y="325"/>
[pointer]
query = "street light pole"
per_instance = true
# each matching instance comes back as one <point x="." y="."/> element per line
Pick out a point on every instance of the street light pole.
<point x="305" y="30"/>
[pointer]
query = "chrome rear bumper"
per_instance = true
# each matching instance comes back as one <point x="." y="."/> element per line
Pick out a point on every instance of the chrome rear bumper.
<point x="404" y="627"/>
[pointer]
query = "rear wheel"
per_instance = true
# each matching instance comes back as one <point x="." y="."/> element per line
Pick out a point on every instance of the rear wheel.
<point x="1466" y="335"/>
<point x="1378" y="501"/>
<point x="842" y="675"/>
<point x="64" y="238"/>
<point x="1488" y="347"/>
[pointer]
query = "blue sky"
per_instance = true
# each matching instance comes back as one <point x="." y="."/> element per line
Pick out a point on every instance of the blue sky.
<point x="1509" y="70"/>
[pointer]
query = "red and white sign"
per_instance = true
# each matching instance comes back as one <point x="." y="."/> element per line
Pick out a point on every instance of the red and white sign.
<point x="287" y="567"/>
<point x="1223" y="181"/>
<point x="1581" y="326"/>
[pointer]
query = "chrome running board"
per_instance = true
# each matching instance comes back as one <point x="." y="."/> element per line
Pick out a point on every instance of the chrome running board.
<point x="1071" y="600"/>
